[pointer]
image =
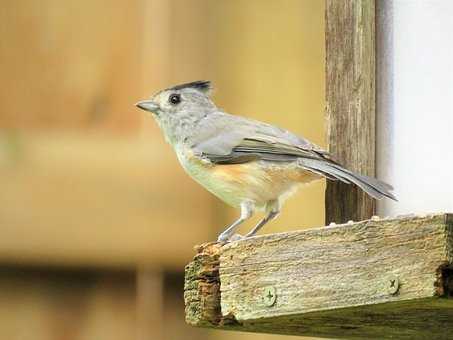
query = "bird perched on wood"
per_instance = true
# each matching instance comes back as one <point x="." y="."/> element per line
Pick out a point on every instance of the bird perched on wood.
<point x="246" y="163"/>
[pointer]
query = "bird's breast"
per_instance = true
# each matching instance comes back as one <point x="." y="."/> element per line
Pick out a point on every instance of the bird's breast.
<point x="258" y="181"/>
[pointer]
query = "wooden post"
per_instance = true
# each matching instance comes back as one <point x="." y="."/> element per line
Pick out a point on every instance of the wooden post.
<point x="350" y="108"/>
<point x="372" y="279"/>
<point x="150" y="304"/>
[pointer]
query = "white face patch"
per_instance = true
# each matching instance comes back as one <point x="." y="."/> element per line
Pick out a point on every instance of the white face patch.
<point x="162" y="99"/>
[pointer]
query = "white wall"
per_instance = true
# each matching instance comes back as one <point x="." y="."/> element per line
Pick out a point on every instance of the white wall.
<point x="415" y="104"/>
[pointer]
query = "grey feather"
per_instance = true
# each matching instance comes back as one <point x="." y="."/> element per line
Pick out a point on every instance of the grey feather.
<point x="371" y="186"/>
<point x="227" y="139"/>
<point x="221" y="134"/>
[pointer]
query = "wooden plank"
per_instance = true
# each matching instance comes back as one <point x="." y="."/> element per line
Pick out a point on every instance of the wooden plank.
<point x="375" y="278"/>
<point x="90" y="200"/>
<point x="156" y="46"/>
<point x="350" y="108"/>
<point x="66" y="304"/>
<point x="150" y="304"/>
<point x="71" y="65"/>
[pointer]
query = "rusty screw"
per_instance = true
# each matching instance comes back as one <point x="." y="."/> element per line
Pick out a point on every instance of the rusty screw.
<point x="269" y="296"/>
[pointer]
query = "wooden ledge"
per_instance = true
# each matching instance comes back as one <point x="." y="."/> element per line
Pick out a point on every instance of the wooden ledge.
<point x="374" y="278"/>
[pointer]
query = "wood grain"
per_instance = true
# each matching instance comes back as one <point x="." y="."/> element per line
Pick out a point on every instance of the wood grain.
<point x="94" y="200"/>
<point x="334" y="281"/>
<point x="350" y="103"/>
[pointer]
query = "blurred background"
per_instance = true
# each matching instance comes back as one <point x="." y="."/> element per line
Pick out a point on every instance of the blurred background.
<point x="97" y="218"/>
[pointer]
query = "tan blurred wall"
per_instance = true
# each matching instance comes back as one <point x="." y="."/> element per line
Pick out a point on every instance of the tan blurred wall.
<point x="70" y="305"/>
<point x="72" y="71"/>
<point x="72" y="149"/>
<point x="70" y="65"/>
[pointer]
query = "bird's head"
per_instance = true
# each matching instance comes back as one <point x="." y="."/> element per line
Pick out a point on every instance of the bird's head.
<point x="179" y="109"/>
<point x="180" y="101"/>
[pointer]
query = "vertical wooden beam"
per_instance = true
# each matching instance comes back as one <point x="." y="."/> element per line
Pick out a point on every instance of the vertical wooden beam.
<point x="150" y="287"/>
<point x="350" y="102"/>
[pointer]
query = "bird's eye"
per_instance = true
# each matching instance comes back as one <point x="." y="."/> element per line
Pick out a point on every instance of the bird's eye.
<point x="174" y="99"/>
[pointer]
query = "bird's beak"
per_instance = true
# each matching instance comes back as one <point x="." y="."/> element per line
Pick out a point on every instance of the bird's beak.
<point x="148" y="105"/>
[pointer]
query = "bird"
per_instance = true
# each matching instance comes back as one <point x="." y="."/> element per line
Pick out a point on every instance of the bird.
<point x="248" y="164"/>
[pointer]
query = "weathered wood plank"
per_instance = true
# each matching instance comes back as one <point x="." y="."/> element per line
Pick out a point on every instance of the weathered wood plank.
<point x="374" y="278"/>
<point x="73" y="195"/>
<point x="350" y="103"/>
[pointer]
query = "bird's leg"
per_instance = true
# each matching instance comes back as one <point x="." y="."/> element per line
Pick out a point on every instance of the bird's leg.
<point x="247" y="210"/>
<point x="272" y="210"/>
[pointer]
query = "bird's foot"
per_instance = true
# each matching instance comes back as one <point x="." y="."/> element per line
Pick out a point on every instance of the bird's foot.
<point x="236" y="237"/>
<point x="225" y="238"/>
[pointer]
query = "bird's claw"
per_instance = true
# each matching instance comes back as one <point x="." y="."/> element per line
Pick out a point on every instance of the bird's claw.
<point x="227" y="238"/>
<point x="236" y="237"/>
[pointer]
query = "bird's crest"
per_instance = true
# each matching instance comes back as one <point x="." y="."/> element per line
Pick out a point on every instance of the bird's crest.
<point x="200" y="85"/>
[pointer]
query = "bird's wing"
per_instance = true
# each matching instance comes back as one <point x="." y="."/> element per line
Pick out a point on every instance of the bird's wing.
<point x="226" y="139"/>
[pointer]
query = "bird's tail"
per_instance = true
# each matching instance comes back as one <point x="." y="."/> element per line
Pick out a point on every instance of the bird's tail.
<point x="333" y="171"/>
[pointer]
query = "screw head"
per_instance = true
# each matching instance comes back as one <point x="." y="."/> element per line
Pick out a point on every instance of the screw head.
<point x="269" y="296"/>
<point x="393" y="284"/>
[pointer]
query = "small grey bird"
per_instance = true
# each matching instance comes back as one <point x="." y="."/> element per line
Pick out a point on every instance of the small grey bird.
<point x="246" y="163"/>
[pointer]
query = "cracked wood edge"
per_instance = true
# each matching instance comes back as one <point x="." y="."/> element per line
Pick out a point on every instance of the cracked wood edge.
<point x="329" y="281"/>
<point x="202" y="288"/>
